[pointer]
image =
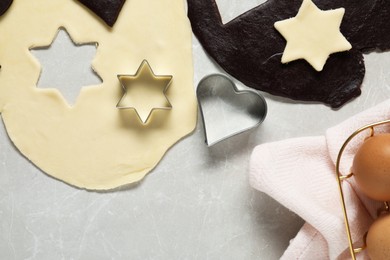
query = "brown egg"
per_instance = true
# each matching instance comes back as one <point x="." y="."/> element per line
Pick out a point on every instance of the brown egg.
<point x="371" y="167"/>
<point x="378" y="239"/>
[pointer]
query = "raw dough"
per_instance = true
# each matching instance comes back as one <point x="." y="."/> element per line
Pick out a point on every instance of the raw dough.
<point x="250" y="48"/>
<point x="313" y="35"/>
<point x="107" y="10"/>
<point x="94" y="145"/>
<point x="4" y="5"/>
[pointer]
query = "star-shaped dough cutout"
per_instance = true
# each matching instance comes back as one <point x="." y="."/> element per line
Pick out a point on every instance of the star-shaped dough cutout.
<point x="313" y="35"/>
<point x="144" y="92"/>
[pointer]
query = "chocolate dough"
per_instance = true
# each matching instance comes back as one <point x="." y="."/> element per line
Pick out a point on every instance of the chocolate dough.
<point x="4" y="5"/>
<point x="250" y="49"/>
<point x="107" y="10"/>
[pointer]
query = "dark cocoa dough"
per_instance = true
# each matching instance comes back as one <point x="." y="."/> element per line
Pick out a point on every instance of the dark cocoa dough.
<point x="4" y="5"/>
<point x="250" y="48"/>
<point x="107" y="10"/>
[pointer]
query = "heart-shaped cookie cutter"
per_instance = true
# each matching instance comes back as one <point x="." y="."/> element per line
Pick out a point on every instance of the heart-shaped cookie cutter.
<point x="245" y="109"/>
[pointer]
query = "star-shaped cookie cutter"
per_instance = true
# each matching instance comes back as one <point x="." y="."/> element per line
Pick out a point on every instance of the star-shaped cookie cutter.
<point x="144" y="75"/>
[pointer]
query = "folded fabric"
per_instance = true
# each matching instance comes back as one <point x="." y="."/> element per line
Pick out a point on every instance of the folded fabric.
<point x="300" y="174"/>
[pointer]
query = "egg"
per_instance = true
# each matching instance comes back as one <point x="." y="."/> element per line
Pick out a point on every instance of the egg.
<point x="371" y="167"/>
<point x="378" y="239"/>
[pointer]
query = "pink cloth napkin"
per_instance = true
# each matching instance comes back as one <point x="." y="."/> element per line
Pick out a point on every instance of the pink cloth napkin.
<point x="300" y="174"/>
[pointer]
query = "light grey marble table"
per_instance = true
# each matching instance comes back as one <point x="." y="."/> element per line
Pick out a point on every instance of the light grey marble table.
<point x="198" y="207"/>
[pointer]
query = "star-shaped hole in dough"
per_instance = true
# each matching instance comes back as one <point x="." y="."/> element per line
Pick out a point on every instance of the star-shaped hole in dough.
<point x="66" y="65"/>
<point x="144" y="92"/>
<point x="313" y="35"/>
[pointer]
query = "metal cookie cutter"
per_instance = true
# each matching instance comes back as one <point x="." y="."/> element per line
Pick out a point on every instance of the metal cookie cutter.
<point x="341" y="177"/>
<point x="146" y="79"/>
<point x="227" y="111"/>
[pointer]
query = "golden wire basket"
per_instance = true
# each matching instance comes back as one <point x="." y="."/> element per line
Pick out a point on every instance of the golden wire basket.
<point x="341" y="177"/>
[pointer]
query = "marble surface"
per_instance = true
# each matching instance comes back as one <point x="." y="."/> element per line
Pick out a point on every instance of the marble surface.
<point x="197" y="204"/>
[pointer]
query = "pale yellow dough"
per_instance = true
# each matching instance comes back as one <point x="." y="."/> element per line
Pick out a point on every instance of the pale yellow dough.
<point x="94" y="145"/>
<point x="313" y="35"/>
